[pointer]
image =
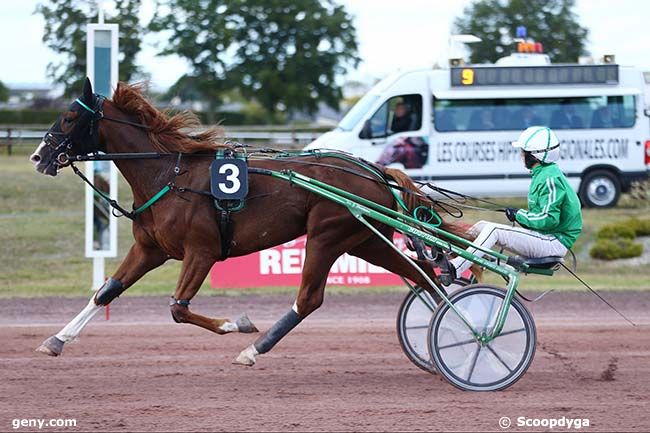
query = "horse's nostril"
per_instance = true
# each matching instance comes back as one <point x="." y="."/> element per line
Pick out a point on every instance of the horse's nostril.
<point x="35" y="158"/>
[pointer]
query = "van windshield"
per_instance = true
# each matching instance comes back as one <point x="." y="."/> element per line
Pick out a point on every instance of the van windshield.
<point x="357" y="112"/>
<point x="516" y="114"/>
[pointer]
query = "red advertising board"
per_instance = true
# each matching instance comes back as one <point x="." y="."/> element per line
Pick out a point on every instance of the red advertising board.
<point x="282" y="266"/>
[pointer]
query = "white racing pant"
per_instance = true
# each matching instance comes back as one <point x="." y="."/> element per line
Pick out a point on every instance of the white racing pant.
<point x="525" y="242"/>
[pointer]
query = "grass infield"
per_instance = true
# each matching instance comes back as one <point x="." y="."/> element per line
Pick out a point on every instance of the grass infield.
<point x="42" y="243"/>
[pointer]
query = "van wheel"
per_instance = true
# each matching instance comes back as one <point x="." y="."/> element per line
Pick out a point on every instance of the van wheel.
<point x="600" y="188"/>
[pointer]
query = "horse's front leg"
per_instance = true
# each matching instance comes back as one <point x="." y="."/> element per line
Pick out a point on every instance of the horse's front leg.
<point x="138" y="261"/>
<point x="195" y="268"/>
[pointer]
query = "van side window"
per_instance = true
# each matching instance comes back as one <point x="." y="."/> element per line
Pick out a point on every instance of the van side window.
<point x="398" y="114"/>
<point x="516" y="114"/>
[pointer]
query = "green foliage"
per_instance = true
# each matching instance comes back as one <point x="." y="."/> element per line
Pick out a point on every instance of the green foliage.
<point x="618" y="248"/>
<point x="28" y="117"/>
<point x="619" y="230"/>
<point x="551" y="22"/>
<point x="4" y="92"/>
<point x="628" y="229"/>
<point x="616" y="241"/>
<point x="640" y="227"/>
<point x="284" y="53"/>
<point x="65" y="34"/>
<point x="46" y="117"/>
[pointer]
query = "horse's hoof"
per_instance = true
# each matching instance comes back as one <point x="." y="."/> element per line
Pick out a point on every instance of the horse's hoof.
<point x="245" y="325"/>
<point x="52" y="346"/>
<point x="246" y="357"/>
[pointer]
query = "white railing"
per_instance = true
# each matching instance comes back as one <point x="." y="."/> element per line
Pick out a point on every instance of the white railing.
<point x="16" y="135"/>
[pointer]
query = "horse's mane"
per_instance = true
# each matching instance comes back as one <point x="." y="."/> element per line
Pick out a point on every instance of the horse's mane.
<point x="166" y="129"/>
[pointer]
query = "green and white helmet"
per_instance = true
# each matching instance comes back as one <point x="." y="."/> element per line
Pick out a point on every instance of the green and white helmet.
<point x="541" y="142"/>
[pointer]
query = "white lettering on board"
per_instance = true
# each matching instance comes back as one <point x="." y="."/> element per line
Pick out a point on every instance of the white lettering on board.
<point x="291" y="263"/>
<point x="270" y="262"/>
<point x="345" y="264"/>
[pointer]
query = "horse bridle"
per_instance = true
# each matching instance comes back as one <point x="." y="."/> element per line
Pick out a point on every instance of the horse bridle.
<point x="61" y="147"/>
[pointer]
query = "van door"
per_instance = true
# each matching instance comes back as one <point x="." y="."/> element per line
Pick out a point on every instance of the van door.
<point x="395" y="133"/>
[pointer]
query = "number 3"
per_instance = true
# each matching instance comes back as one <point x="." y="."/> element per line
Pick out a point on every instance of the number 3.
<point x="233" y="178"/>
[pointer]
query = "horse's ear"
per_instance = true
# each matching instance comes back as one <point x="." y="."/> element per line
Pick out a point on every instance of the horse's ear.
<point x="88" y="92"/>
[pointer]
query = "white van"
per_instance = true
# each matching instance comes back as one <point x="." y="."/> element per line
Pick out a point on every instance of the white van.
<point x="454" y="126"/>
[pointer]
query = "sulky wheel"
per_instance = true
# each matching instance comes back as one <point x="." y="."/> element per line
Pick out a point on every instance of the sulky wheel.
<point x="470" y="365"/>
<point x="413" y="320"/>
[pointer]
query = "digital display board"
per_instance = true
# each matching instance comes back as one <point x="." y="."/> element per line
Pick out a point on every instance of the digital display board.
<point x="473" y="76"/>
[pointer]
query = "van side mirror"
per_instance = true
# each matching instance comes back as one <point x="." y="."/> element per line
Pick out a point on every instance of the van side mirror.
<point x="366" y="131"/>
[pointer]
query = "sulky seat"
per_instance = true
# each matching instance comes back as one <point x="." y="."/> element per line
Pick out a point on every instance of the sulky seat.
<point x="543" y="262"/>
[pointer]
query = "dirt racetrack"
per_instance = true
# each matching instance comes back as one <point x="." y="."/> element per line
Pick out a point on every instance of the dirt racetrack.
<point x="340" y="370"/>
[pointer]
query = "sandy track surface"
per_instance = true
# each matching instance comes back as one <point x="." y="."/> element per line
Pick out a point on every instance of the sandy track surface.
<point x="340" y="370"/>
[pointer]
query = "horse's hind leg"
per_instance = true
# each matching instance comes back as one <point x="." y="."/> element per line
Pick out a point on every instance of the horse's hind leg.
<point x="137" y="262"/>
<point x="330" y="234"/>
<point x="195" y="268"/>
<point x="377" y="252"/>
<point x="318" y="262"/>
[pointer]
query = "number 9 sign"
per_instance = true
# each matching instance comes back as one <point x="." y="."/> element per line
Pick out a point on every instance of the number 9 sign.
<point x="229" y="179"/>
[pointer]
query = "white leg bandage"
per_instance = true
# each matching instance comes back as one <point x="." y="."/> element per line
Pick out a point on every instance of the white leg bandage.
<point x="73" y="329"/>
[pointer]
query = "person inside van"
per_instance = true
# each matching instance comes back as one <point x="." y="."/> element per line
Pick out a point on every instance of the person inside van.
<point x="602" y="118"/>
<point x="403" y="118"/>
<point x="526" y="117"/>
<point x="565" y="117"/>
<point x="481" y="120"/>
<point x="553" y="221"/>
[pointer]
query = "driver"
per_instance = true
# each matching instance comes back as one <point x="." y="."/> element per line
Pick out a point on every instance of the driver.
<point x="553" y="221"/>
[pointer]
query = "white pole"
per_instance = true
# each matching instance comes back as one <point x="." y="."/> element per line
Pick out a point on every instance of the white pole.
<point x="100" y="8"/>
<point x="98" y="272"/>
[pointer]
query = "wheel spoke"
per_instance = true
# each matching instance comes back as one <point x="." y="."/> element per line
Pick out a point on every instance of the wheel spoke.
<point x="496" y="355"/>
<point x="489" y="314"/>
<point x="460" y="343"/>
<point x="417" y="327"/>
<point x="471" y="370"/>
<point x="514" y="331"/>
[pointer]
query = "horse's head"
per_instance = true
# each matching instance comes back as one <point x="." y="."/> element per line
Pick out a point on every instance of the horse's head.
<point x="75" y="132"/>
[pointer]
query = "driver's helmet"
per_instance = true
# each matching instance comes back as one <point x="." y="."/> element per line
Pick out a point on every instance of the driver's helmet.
<point x="540" y="142"/>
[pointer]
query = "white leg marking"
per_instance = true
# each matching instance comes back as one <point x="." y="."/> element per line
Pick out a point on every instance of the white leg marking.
<point x="295" y="307"/>
<point x="229" y="327"/>
<point x="73" y="329"/>
<point x="247" y="356"/>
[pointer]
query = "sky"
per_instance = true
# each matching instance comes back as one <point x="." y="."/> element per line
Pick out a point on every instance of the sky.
<point x="393" y="35"/>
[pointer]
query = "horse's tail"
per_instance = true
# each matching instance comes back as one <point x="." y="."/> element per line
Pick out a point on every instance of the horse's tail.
<point x="411" y="194"/>
<point x="413" y="197"/>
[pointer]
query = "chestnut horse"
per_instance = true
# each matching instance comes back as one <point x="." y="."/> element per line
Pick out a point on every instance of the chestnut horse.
<point x="184" y="226"/>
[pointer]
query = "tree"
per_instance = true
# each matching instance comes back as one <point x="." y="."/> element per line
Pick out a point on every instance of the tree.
<point x="65" y="34"/>
<point x="551" y="22"/>
<point x="284" y="53"/>
<point x="4" y="92"/>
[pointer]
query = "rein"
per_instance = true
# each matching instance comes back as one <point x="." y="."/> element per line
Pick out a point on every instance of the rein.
<point x="113" y="203"/>
<point x="453" y="209"/>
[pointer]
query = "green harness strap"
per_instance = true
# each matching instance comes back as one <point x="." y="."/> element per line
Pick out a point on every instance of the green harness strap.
<point x="374" y="171"/>
<point x="366" y="167"/>
<point x="396" y="195"/>
<point x="145" y="206"/>
<point x="152" y="200"/>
